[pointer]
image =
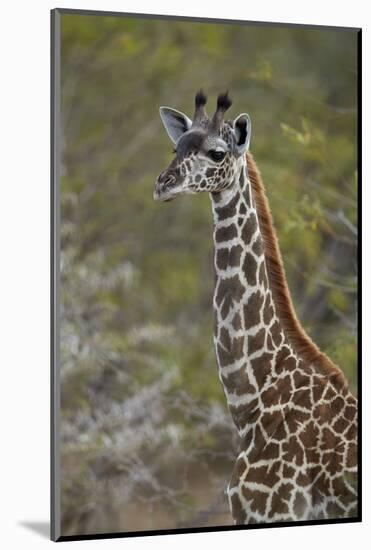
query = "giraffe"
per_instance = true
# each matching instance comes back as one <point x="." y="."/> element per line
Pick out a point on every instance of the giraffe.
<point x="294" y="412"/>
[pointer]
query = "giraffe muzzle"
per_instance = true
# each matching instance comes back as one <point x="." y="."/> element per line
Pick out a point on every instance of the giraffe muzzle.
<point x="167" y="187"/>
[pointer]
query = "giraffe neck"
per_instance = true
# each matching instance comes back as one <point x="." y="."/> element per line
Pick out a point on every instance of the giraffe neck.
<point x="248" y="333"/>
<point x="290" y="403"/>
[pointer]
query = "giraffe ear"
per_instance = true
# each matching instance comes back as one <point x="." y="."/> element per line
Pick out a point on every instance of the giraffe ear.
<point x="175" y="122"/>
<point x="242" y="133"/>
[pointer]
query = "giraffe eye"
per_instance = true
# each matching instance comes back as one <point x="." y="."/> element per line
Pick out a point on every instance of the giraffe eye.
<point x="217" y="155"/>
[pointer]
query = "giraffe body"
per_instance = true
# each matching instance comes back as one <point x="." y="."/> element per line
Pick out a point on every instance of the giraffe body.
<point x="294" y="413"/>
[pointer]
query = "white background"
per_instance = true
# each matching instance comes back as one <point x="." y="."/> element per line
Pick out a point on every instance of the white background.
<point x="24" y="274"/>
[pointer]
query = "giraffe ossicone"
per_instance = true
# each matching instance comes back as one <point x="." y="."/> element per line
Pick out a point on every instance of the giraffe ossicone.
<point x="296" y="417"/>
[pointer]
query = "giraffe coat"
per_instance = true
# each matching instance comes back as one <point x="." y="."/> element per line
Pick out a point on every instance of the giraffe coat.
<point x="296" y="418"/>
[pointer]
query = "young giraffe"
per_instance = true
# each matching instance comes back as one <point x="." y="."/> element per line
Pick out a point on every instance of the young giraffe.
<point x="295" y="415"/>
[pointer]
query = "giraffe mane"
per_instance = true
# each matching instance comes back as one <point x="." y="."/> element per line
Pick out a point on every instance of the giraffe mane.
<point x="296" y="334"/>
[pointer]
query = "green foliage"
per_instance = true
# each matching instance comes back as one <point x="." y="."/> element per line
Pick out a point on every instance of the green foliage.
<point x="143" y="411"/>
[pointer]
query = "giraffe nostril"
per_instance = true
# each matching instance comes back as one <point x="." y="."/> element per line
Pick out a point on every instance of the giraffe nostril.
<point x="166" y="179"/>
<point x="169" y="180"/>
<point x="166" y="185"/>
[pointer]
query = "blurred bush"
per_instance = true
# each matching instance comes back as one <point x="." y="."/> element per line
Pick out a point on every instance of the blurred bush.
<point x="146" y="440"/>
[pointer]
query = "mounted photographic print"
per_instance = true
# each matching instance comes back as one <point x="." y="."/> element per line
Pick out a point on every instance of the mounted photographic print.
<point x="205" y="366"/>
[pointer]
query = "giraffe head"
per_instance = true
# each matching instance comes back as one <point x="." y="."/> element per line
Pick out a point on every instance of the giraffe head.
<point x="206" y="149"/>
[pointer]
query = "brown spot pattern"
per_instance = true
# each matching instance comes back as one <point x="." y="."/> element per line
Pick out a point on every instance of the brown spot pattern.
<point x="249" y="269"/>
<point x="226" y="233"/>
<point x="236" y="323"/>
<point x="261" y="367"/>
<point x="229" y="209"/>
<point x="252" y="310"/>
<point x="256" y="342"/>
<point x="268" y="311"/>
<point x="230" y="290"/>
<point x="258" y="247"/>
<point x="249" y="229"/>
<point x="280" y="499"/>
<point x="310" y="435"/>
